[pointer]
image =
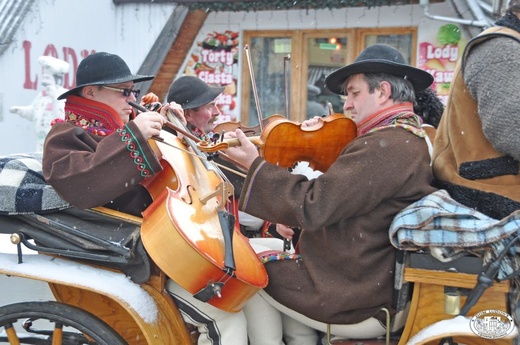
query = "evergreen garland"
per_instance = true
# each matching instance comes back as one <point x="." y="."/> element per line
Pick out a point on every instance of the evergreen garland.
<point x="273" y="5"/>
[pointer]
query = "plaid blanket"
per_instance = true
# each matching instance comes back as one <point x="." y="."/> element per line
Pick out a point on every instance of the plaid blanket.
<point x="449" y="229"/>
<point x="23" y="188"/>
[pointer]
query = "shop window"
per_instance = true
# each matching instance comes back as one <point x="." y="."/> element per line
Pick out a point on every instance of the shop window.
<point x="289" y="68"/>
<point x="326" y="52"/>
<point x="268" y="60"/>
<point x="402" y="39"/>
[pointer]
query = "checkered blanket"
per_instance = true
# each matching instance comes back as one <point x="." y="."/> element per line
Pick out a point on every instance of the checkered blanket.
<point x="449" y="229"/>
<point x="23" y="188"/>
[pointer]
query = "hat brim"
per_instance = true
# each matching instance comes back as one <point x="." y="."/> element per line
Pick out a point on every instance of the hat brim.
<point x="420" y="79"/>
<point x="134" y="78"/>
<point x="208" y="96"/>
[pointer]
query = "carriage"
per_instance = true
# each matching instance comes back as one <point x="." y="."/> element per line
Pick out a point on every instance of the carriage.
<point x="109" y="288"/>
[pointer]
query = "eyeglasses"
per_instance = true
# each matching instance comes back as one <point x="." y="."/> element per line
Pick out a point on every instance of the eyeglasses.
<point x="125" y="92"/>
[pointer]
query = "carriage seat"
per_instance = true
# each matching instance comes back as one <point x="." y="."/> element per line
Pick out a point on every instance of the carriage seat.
<point x="97" y="236"/>
<point x="33" y="212"/>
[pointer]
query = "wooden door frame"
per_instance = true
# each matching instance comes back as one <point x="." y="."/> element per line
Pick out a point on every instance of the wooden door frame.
<point x="361" y="33"/>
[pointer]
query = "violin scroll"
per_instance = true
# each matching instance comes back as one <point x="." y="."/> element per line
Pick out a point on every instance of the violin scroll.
<point x="151" y="102"/>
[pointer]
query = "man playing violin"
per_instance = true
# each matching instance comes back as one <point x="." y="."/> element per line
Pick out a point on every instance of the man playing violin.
<point x="345" y="272"/>
<point x="199" y="102"/>
<point x="99" y="154"/>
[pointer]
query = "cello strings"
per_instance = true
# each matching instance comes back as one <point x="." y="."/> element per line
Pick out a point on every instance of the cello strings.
<point x="218" y="166"/>
<point x="172" y="118"/>
<point x="210" y="164"/>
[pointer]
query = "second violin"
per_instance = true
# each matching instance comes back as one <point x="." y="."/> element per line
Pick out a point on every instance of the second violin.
<point x="285" y="143"/>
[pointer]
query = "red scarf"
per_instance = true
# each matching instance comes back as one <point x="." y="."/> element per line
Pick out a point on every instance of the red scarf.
<point x="395" y="115"/>
<point x="94" y="117"/>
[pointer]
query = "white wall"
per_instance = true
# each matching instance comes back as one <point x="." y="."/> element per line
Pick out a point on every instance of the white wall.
<point x="70" y="26"/>
<point x="321" y="19"/>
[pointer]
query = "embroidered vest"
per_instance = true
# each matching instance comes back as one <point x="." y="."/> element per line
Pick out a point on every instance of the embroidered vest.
<point x="464" y="161"/>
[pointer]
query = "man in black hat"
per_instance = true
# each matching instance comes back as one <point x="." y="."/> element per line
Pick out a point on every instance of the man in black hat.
<point x="314" y="108"/>
<point x="99" y="153"/>
<point x="199" y="102"/>
<point x="344" y="274"/>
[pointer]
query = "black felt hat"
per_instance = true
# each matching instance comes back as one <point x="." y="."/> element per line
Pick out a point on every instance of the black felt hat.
<point x="103" y="69"/>
<point x="379" y="58"/>
<point x="191" y="92"/>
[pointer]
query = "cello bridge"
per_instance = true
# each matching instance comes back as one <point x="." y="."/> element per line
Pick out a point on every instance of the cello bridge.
<point x="223" y="191"/>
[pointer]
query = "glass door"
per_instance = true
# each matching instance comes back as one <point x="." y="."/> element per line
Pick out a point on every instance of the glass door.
<point x="326" y="52"/>
<point x="266" y="82"/>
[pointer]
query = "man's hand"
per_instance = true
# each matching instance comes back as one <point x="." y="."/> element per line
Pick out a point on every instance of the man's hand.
<point x="285" y="231"/>
<point x="244" y="154"/>
<point x="176" y="110"/>
<point x="312" y="122"/>
<point x="150" y="123"/>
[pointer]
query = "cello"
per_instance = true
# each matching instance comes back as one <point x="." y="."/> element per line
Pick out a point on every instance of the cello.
<point x="188" y="232"/>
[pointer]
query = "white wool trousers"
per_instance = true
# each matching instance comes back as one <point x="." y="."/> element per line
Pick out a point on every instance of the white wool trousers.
<point x="268" y="322"/>
<point x="216" y="326"/>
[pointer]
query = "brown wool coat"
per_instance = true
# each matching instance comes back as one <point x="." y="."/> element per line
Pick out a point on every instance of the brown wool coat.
<point x="347" y="271"/>
<point x="89" y="170"/>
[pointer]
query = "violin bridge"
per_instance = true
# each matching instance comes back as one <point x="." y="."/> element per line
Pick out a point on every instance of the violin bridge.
<point x="223" y="190"/>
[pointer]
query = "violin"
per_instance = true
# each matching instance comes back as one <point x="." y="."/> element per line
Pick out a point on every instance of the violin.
<point x="188" y="231"/>
<point x="286" y="143"/>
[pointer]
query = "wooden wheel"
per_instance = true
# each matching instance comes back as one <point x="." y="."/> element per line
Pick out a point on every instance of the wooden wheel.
<point x="53" y="323"/>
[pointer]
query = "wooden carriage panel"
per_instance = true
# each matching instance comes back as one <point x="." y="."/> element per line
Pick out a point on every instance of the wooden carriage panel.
<point x="427" y="306"/>
<point x="168" y="329"/>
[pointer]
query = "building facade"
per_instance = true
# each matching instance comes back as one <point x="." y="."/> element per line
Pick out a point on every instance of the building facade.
<point x="286" y="52"/>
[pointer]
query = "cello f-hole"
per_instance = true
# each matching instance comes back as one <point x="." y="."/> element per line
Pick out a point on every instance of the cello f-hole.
<point x="188" y="200"/>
